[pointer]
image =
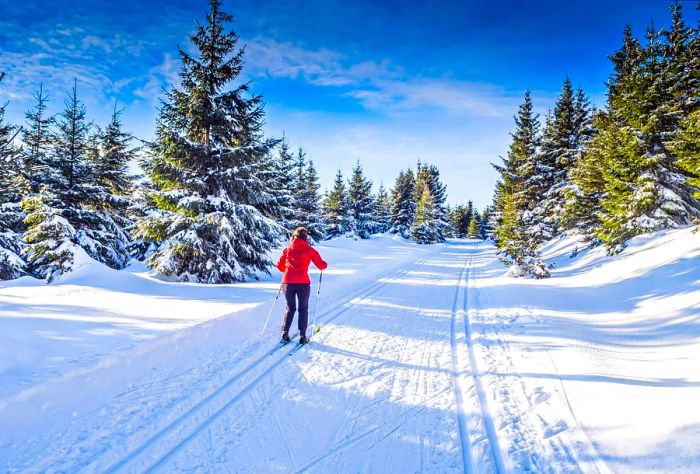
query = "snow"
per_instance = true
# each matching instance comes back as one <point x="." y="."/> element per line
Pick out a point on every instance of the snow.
<point x="429" y="358"/>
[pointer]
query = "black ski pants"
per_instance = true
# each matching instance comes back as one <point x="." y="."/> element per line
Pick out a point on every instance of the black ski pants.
<point x="294" y="292"/>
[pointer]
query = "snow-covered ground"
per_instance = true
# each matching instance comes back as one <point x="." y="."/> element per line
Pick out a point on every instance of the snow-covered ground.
<point x="429" y="359"/>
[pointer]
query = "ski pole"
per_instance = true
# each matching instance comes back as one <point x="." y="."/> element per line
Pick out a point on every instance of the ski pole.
<point x="271" y="309"/>
<point x="318" y="297"/>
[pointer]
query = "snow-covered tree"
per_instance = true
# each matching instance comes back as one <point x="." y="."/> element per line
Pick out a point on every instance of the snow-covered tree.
<point x="309" y="203"/>
<point x="280" y="180"/>
<point x="116" y="153"/>
<point x="687" y="149"/>
<point x="83" y="201"/>
<point x="335" y="208"/>
<point x="518" y="231"/>
<point x="51" y="249"/>
<point x="487" y="223"/>
<point x="382" y="211"/>
<point x="361" y="203"/>
<point x="644" y="189"/>
<point x="11" y="265"/>
<point x="564" y="135"/>
<point x="36" y="137"/>
<point x="209" y="220"/>
<point x="403" y="204"/>
<point x="429" y="176"/>
<point x="474" y="225"/>
<point x="461" y="218"/>
<point x="427" y="226"/>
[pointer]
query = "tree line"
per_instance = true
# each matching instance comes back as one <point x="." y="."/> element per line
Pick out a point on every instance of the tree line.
<point x="216" y="194"/>
<point x="629" y="168"/>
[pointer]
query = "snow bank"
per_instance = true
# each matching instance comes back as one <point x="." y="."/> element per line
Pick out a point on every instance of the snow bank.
<point x="608" y="348"/>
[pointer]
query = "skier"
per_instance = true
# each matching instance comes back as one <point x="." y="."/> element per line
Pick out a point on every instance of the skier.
<point x="294" y="263"/>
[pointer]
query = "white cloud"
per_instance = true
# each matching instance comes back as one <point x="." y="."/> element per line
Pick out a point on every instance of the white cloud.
<point x="158" y="77"/>
<point x="322" y="67"/>
<point x="377" y="85"/>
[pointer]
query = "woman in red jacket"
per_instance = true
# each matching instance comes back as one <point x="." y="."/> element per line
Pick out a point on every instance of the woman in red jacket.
<point x="294" y="263"/>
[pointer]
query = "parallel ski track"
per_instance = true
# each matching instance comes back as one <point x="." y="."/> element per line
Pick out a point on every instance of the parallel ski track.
<point x="464" y="441"/>
<point x="336" y="311"/>
<point x="487" y="416"/>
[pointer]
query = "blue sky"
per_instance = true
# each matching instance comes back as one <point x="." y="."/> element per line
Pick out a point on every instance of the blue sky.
<point x="387" y="83"/>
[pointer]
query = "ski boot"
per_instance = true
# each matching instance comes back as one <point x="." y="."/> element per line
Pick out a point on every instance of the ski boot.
<point x="285" y="338"/>
<point x="303" y="339"/>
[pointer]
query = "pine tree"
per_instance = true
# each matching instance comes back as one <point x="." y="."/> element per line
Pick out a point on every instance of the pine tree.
<point x="383" y="211"/>
<point x="429" y="175"/>
<point x="83" y="201"/>
<point x="644" y="188"/>
<point x="361" y="203"/>
<point x="687" y="149"/>
<point x="36" y="136"/>
<point x="280" y="179"/>
<point x="474" y="227"/>
<point x="309" y="203"/>
<point x="427" y="226"/>
<point x="335" y="208"/>
<point x="519" y="232"/>
<point x="8" y="160"/>
<point x="582" y="210"/>
<point x="403" y="204"/>
<point x="51" y="250"/>
<point x="461" y="218"/>
<point x="563" y="139"/>
<point x="486" y="224"/>
<point x="112" y="168"/>
<point x="210" y="207"/>
<point x="11" y="265"/>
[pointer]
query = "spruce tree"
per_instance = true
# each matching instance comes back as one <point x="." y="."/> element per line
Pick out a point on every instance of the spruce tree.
<point x="687" y="149"/>
<point x="11" y="264"/>
<point x="36" y="136"/>
<point x="309" y="203"/>
<point x="427" y="228"/>
<point x="335" y="208"/>
<point x="82" y="200"/>
<point x="461" y="217"/>
<point x="281" y="180"/>
<point x="51" y="249"/>
<point x="210" y="221"/>
<point x="383" y="211"/>
<point x="644" y="188"/>
<point x="8" y="161"/>
<point x="486" y="223"/>
<point x="112" y="167"/>
<point x="583" y="210"/>
<point x="72" y="175"/>
<point x="361" y="203"/>
<point x="519" y="232"/>
<point x="403" y="204"/>
<point x="429" y="176"/>
<point x="563" y="139"/>
<point x="474" y="227"/>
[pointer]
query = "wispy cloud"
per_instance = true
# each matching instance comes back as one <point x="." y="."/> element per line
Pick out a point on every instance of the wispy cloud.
<point x="323" y="67"/>
<point x="376" y="85"/>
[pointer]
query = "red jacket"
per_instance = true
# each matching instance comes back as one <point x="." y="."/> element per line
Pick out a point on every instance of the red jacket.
<point x="295" y="260"/>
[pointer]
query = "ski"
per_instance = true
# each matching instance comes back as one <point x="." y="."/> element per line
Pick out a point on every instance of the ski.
<point x="279" y="346"/>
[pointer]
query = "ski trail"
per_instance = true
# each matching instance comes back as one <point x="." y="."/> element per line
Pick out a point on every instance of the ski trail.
<point x="487" y="416"/>
<point x="389" y="428"/>
<point x="173" y="428"/>
<point x="284" y="440"/>
<point x="458" y="382"/>
<point x="539" y="429"/>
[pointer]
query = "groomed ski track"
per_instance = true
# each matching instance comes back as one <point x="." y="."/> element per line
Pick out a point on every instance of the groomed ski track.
<point x="406" y="375"/>
<point x="369" y="382"/>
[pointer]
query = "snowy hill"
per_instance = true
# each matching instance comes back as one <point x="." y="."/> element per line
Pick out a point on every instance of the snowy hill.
<point x="429" y="359"/>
